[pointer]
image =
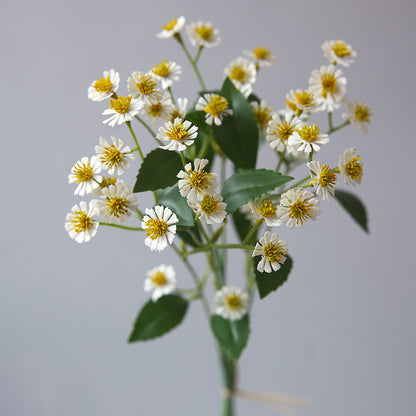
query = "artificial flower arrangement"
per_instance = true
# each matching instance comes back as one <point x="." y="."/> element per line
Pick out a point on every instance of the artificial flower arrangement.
<point x="194" y="201"/>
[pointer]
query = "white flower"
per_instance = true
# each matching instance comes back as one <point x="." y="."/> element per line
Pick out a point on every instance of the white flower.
<point x="210" y="209"/>
<point x="85" y="174"/>
<point x="302" y="100"/>
<point x="279" y="133"/>
<point x="166" y="72"/>
<point x="297" y="206"/>
<point x="179" y="134"/>
<point x="161" y="280"/>
<point x="350" y="166"/>
<point x="203" y="34"/>
<point x="114" y="157"/>
<point x="179" y="110"/>
<point x="273" y="252"/>
<point x="308" y="139"/>
<point x="159" y="225"/>
<point x="265" y="210"/>
<point x="105" y="182"/>
<point x="338" y="52"/>
<point x="161" y="109"/>
<point x="242" y="73"/>
<point x="323" y="179"/>
<point x="262" y="56"/>
<point x="118" y="204"/>
<point x="172" y="28"/>
<point x="193" y="183"/>
<point x="215" y="107"/>
<point x="122" y="109"/>
<point x="232" y="303"/>
<point x="328" y="86"/>
<point x="262" y="113"/>
<point x="80" y="224"/>
<point x="104" y="87"/>
<point x="143" y="87"/>
<point x="358" y="115"/>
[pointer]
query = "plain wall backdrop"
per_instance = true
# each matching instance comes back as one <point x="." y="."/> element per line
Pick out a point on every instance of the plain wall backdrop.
<point x="340" y="332"/>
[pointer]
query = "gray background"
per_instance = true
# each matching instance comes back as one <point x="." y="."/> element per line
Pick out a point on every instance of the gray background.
<point x="341" y="330"/>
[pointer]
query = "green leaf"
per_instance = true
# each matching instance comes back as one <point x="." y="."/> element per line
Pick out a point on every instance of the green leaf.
<point x="269" y="282"/>
<point x="170" y="197"/>
<point x="157" y="318"/>
<point x="231" y="335"/>
<point x="158" y="170"/>
<point x="238" y="134"/>
<point x="250" y="184"/>
<point x="354" y="207"/>
<point x="187" y="234"/>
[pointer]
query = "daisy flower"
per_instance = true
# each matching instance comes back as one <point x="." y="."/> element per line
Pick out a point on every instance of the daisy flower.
<point x="114" y="157"/>
<point x="161" y="109"/>
<point x="193" y="183"/>
<point x="297" y="206"/>
<point x="323" y="179"/>
<point x="358" y="115"/>
<point x="262" y="56"/>
<point x="161" y="280"/>
<point x="302" y="100"/>
<point x="328" y="86"/>
<point x="178" y="133"/>
<point x="143" y="87"/>
<point x="242" y="73"/>
<point x="215" y="107"/>
<point x="85" y="174"/>
<point x="350" y="166"/>
<point x="232" y="303"/>
<point x="106" y="181"/>
<point x="262" y="113"/>
<point x="265" y="210"/>
<point x="338" y="52"/>
<point x="104" y="87"/>
<point x="122" y="109"/>
<point x="203" y="34"/>
<point x="166" y="72"/>
<point x="278" y="133"/>
<point x="80" y="224"/>
<point x="308" y="139"/>
<point x="118" y="204"/>
<point x="272" y="251"/>
<point x="210" y="209"/>
<point x="179" y="109"/>
<point x="159" y="225"/>
<point x="172" y="28"/>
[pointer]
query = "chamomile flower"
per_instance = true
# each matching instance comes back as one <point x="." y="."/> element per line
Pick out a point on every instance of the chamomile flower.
<point x="114" y="157"/>
<point x="80" y="224"/>
<point x="203" y="34"/>
<point x="104" y="87"/>
<point x="166" y="72"/>
<point x="308" y="139"/>
<point x="106" y="181"/>
<point x="172" y="28"/>
<point x="85" y="174"/>
<point x="232" y="303"/>
<point x="118" y="204"/>
<point x="328" y="86"/>
<point x="262" y="113"/>
<point x="358" y="115"/>
<point x="265" y="210"/>
<point x="279" y="132"/>
<point x="242" y="73"/>
<point x="122" y="109"/>
<point x="179" y="109"/>
<point x="338" y="52"/>
<point x="272" y="251"/>
<point x="159" y="225"/>
<point x="297" y="206"/>
<point x="210" y="209"/>
<point x="323" y="179"/>
<point x="143" y="87"/>
<point x="215" y="107"/>
<point x="302" y="100"/>
<point x="178" y="133"/>
<point x="350" y="166"/>
<point x="194" y="183"/>
<point x="157" y="110"/>
<point x="262" y="56"/>
<point x="161" y="280"/>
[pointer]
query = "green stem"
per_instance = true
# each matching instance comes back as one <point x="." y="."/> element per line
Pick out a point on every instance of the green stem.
<point x="135" y="140"/>
<point x="228" y="382"/>
<point x="297" y="184"/>
<point x="183" y="159"/>
<point x="123" y="227"/>
<point x="146" y="126"/>
<point x="198" y="54"/>
<point x="171" y="95"/>
<point x="251" y="232"/>
<point x="330" y="125"/>
<point x="210" y="247"/>
<point x="330" y="131"/>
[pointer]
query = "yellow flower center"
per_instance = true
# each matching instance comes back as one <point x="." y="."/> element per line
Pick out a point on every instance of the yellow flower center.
<point x="158" y="278"/>
<point x="103" y="84"/>
<point x="120" y="104"/>
<point x="117" y="206"/>
<point x="300" y="211"/>
<point x="354" y="168"/>
<point x="274" y="252"/>
<point x="326" y="177"/>
<point x="262" y="115"/>
<point x="83" y="172"/>
<point x="156" y="228"/>
<point x="329" y="84"/>
<point x="177" y="132"/>
<point x="107" y="182"/>
<point x="162" y="69"/>
<point x="145" y="84"/>
<point x="284" y="131"/>
<point x="112" y="156"/>
<point x="81" y="221"/>
<point x="205" y="32"/>
<point x="238" y="73"/>
<point x="216" y="105"/>
<point x="155" y="110"/>
<point x="362" y="113"/>
<point x="175" y="114"/>
<point x="266" y="208"/>
<point x="305" y="98"/>
<point x="341" y="49"/>
<point x="209" y="204"/>
<point x="291" y="105"/>
<point x="309" y="133"/>
<point x="234" y="302"/>
<point x="171" y="25"/>
<point x="262" y="53"/>
<point x="199" y="180"/>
